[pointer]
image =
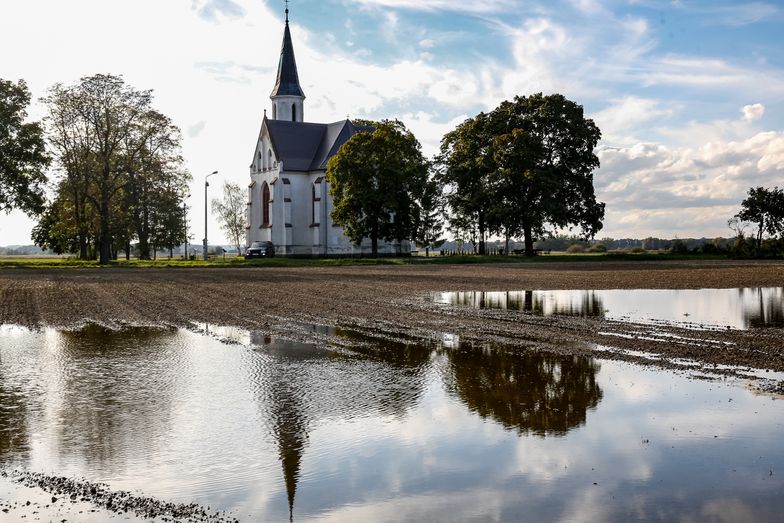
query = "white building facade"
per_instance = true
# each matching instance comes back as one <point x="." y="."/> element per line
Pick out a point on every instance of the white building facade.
<point x="288" y="197"/>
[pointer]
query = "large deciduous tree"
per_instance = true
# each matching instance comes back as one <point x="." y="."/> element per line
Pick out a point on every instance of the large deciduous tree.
<point x="764" y="208"/>
<point x="523" y="167"/>
<point x="430" y="222"/>
<point x="375" y="180"/>
<point x="467" y="163"/>
<point x="231" y="211"/>
<point x="23" y="158"/>
<point x="122" y="173"/>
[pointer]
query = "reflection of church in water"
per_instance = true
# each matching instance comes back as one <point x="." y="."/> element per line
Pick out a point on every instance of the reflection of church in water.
<point x="531" y="393"/>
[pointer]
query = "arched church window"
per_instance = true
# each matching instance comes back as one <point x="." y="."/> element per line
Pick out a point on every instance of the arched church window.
<point x="293" y="112"/>
<point x="274" y="111"/>
<point x="269" y="157"/>
<point x="265" y="204"/>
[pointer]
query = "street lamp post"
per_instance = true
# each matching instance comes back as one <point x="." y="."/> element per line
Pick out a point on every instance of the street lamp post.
<point x="206" y="184"/>
<point x="185" y="228"/>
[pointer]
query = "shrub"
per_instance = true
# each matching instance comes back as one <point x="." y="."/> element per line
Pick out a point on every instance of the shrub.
<point x="597" y="248"/>
<point x="575" y="248"/>
<point x="679" y="247"/>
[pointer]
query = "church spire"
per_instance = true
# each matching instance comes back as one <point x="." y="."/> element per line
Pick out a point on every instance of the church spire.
<point x="288" y="80"/>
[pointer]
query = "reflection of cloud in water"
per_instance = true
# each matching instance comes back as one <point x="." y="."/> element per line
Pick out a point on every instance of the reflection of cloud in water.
<point x="304" y="384"/>
<point x="369" y="429"/>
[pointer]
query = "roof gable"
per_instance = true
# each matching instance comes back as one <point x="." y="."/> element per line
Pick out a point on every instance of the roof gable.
<point x="295" y="143"/>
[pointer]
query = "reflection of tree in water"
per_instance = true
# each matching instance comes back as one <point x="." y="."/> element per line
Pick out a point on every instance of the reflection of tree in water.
<point x="14" y="431"/>
<point x="764" y="308"/>
<point x="539" y="393"/>
<point x="565" y="303"/>
<point x="393" y="352"/>
<point x="304" y="383"/>
<point x="111" y="383"/>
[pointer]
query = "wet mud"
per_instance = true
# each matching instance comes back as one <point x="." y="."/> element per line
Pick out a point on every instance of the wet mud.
<point x="72" y="491"/>
<point x="397" y="300"/>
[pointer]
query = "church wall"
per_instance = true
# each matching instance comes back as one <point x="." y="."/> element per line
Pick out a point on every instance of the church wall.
<point x="291" y="216"/>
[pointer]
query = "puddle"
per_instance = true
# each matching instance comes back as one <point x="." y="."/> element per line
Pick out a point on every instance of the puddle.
<point x="270" y="429"/>
<point x="689" y="308"/>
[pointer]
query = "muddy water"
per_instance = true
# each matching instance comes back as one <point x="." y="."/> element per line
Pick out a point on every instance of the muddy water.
<point x="690" y="308"/>
<point x="364" y="430"/>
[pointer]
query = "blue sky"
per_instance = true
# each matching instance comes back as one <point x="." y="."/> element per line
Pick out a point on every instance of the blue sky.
<point x="688" y="94"/>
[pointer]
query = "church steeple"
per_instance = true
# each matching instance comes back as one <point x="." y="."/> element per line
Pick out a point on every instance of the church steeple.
<point x="287" y="96"/>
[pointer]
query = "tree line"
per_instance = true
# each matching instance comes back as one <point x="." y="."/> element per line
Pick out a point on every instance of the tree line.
<point x="120" y="176"/>
<point x="518" y="171"/>
<point x="522" y="169"/>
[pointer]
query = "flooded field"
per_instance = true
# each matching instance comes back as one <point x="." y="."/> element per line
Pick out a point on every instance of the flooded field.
<point x="690" y="308"/>
<point x="361" y="429"/>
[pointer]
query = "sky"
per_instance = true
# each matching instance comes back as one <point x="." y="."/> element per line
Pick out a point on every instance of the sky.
<point x="688" y="94"/>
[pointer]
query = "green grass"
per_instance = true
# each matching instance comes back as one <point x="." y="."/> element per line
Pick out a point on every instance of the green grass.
<point x="71" y="263"/>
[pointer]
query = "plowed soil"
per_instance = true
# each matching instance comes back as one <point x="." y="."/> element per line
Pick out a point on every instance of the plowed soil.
<point x="394" y="300"/>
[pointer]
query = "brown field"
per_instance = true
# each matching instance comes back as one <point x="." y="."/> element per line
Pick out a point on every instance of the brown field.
<point x="392" y="300"/>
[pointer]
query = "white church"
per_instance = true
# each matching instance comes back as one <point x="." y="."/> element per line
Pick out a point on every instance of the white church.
<point x="289" y="202"/>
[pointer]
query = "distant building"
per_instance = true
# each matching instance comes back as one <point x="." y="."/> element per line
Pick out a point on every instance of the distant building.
<point x="289" y="202"/>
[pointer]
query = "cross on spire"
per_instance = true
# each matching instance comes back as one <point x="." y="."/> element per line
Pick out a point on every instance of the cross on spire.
<point x="287" y="11"/>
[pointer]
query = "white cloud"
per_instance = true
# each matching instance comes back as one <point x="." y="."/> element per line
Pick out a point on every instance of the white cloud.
<point x="468" y="6"/>
<point x="428" y="130"/>
<point x="655" y="190"/>
<point x="741" y="14"/>
<point x="753" y="112"/>
<point x="619" y="121"/>
<point x="591" y="7"/>
<point x="196" y="129"/>
<point x="213" y="9"/>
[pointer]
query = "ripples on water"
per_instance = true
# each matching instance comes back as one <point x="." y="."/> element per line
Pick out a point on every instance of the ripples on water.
<point x="379" y="430"/>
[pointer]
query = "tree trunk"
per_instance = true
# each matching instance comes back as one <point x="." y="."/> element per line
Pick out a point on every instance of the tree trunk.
<point x="128" y="251"/>
<point x="427" y="252"/>
<point x="83" y="246"/>
<point x="481" y="224"/>
<point x="105" y="240"/>
<point x="759" y="233"/>
<point x="374" y="241"/>
<point x="529" y="240"/>
<point x="144" y="238"/>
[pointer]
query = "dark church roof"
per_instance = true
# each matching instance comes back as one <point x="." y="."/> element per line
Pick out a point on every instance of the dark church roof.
<point x="304" y="147"/>
<point x="288" y="79"/>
